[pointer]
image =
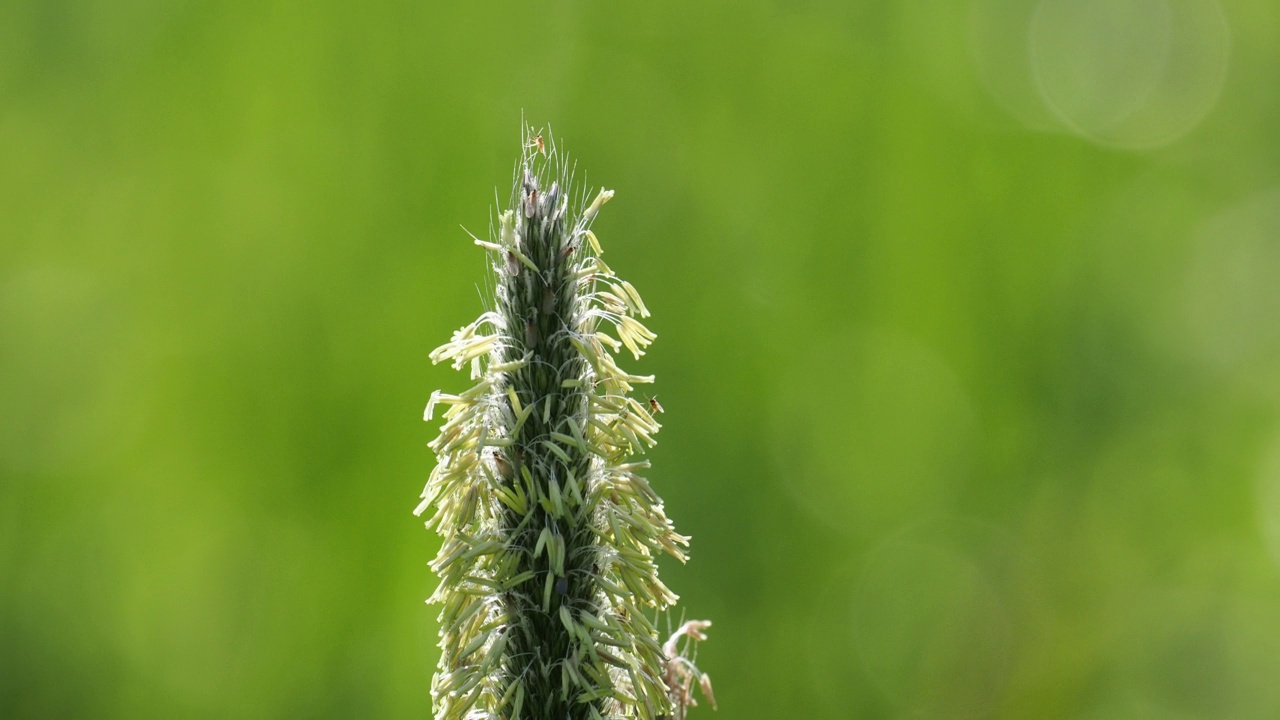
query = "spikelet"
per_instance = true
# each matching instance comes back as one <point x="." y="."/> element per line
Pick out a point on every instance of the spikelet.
<point x="547" y="569"/>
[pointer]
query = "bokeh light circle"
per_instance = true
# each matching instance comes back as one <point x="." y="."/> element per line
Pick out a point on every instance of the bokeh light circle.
<point x="1134" y="74"/>
<point x="998" y="31"/>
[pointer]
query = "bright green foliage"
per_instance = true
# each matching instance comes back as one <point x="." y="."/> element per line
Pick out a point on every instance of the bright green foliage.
<point x="547" y="569"/>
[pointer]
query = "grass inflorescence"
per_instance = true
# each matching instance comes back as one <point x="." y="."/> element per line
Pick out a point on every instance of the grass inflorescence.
<point x="548" y="579"/>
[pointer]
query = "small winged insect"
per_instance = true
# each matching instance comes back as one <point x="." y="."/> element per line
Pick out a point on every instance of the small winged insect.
<point x="538" y="143"/>
<point x="654" y="406"/>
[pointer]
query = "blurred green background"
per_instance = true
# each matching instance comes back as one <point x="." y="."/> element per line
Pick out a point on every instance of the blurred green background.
<point x="968" y="342"/>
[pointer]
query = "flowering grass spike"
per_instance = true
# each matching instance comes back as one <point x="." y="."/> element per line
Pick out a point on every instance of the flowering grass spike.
<point x="548" y="578"/>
